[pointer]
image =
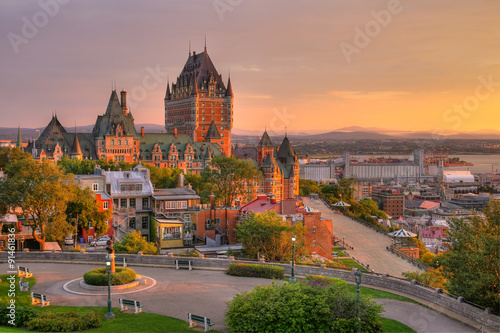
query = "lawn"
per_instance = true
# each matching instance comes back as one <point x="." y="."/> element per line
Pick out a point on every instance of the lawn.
<point x="375" y="293"/>
<point x="394" y="326"/>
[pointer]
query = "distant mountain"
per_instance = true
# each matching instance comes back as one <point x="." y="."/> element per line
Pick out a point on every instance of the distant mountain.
<point x="349" y="136"/>
<point x="345" y="133"/>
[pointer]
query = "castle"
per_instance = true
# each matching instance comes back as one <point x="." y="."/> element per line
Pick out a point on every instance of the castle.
<point x="198" y="123"/>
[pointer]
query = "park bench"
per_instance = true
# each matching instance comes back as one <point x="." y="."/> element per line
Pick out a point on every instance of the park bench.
<point x="121" y="260"/>
<point x="24" y="271"/>
<point x="194" y="320"/>
<point x="125" y="303"/>
<point x="23" y="286"/>
<point x="183" y="263"/>
<point x="39" y="299"/>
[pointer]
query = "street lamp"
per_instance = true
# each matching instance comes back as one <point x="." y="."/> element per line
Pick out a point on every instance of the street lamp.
<point x="110" y="314"/>
<point x="357" y="279"/>
<point x="22" y="242"/>
<point x="292" y="278"/>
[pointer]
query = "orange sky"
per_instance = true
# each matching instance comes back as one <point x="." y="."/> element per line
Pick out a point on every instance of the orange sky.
<point x="304" y="65"/>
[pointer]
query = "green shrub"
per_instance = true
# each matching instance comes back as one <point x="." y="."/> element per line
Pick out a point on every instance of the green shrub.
<point x="65" y="322"/>
<point x="298" y="307"/>
<point x="252" y="270"/>
<point x="322" y="281"/>
<point x="99" y="276"/>
<point x="22" y="315"/>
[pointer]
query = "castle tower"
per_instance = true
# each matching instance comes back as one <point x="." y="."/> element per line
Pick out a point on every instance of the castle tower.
<point x="19" y="143"/>
<point x="197" y="98"/>
<point x="264" y="148"/>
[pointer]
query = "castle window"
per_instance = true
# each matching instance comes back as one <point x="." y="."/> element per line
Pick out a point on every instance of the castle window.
<point x="119" y="142"/>
<point x="213" y="111"/>
<point x="203" y="135"/>
<point x="203" y="128"/>
<point x="203" y="105"/>
<point x="203" y="111"/>
<point x="126" y="142"/>
<point x="112" y="142"/>
<point x="202" y="118"/>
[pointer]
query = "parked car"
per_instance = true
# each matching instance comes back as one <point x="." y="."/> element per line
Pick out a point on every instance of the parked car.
<point x="100" y="241"/>
<point x="69" y="240"/>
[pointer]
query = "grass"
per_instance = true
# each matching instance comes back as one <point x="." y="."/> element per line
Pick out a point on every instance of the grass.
<point x="123" y="322"/>
<point x="22" y="297"/>
<point x="375" y="293"/>
<point x="394" y="326"/>
<point x="339" y="253"/>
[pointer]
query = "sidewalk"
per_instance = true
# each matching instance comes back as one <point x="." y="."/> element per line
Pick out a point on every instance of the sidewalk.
<point x="369" y="245"/>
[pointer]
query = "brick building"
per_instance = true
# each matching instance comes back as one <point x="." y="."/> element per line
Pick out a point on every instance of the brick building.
<point x="199" y="104"/>
<point x="389" y="200"/>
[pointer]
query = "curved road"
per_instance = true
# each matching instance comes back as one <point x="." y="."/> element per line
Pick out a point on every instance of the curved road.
<point x="204" y="292"/>
<point x="369" y="245"/>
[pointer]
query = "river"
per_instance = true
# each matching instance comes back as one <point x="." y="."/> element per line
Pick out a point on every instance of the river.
<point x="482" y="163"/>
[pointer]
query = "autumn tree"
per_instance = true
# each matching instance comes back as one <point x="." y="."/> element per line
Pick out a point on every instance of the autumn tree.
<point x="306" y="187"/>
<point x="41" y="191"/>
<point x="84" y="210"/>
<point x="134" y="242"/>
<point x="268" y="235"/>
<point x="163" y="177"/>
<point x="230" y="177"/>
<point x="472" y="264"/>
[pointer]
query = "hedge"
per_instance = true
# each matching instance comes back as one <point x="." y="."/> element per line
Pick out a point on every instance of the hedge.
<point x="322" y="281"/>
<point x="65" y="322"/>
<point x="22" y="315"/>
<point x="99" y="276"/>
<point x="252" y="270"/>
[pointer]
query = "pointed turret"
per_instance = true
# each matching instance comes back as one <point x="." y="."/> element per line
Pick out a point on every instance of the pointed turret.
<point x="213" y="132"/>
<point x="76" y="151"/>
<point x="19" y="143"/>
<point x="168" y="96"/>
<point x="229" y="90"/>
<point x="265" y="141"/>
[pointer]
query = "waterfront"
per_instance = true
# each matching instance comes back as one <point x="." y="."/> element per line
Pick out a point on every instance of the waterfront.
<point x="482" y="163"/>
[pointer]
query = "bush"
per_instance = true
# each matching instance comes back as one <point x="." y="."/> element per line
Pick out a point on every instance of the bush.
<point x="322" y="281"/>
<point x="22" y="315"/>
<point x="298" y="307"/>
<point x="263" y="271"/>
<point x="99" y="276"/>
<point x="65" y="322"/>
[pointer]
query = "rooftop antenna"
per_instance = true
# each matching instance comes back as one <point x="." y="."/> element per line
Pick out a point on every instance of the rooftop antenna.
<point x="205" y="42"/>
<point x="190" y="47"/>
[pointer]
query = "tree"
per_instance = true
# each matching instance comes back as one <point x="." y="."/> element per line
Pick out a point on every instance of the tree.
<point x="432" y="277"/>
<point x="41" y="191"/>
<point x="472" y="264"/>
<point x="76" y="166"/>
<point x="229" y="177"/>
<point x="346" y="184"/>
<point x="306" y="187"/>
<point x="268" y="235"/>
<point x="163" y="177"/>
<point x="84" y="209"/>
<point x="134" y="242"/>
<point x="299" y="307"/>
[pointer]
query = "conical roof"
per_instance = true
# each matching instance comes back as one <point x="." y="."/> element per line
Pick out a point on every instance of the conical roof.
<point x="229" y="91"/>
<point x="213" y="131"/>
<point x="265" y="141"/>
<point x="286" y="149"/>
<point x="75" y="149"/>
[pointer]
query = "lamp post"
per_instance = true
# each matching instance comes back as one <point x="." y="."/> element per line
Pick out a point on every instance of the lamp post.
<point x="110" y="314"/>
<point x="292" y="278"/>
<point x="22" y="242"/>
<point x="357" y="279"/>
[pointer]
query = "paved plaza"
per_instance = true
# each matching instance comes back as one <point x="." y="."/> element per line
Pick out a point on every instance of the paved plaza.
<point x="369" y="245"/>
<point x="202" y="292"/>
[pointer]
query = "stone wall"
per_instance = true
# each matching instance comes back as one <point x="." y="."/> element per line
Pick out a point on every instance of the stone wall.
<point x="411" y="288"/>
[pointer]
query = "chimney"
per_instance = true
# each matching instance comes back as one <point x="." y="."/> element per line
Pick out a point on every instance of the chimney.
<point x="181" y="180"/>
<point x="175" y="132"/>
<point x="142" y="131"/>
<point x="124" y="102"/>
<point x="273" y="200"/>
